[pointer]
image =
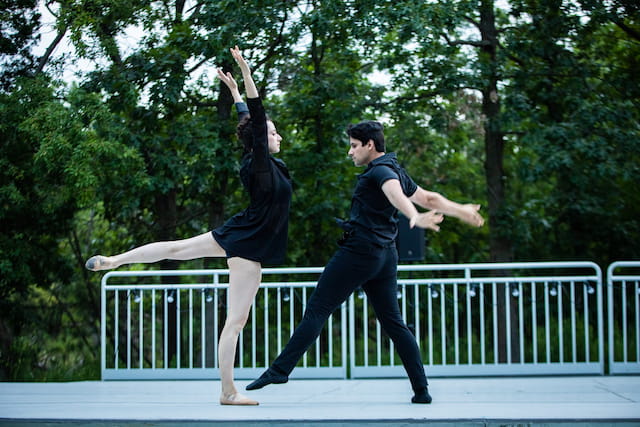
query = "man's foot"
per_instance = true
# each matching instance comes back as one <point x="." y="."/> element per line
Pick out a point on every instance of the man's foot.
<point x="98" y="262"/>
<point x="236" y="399"/>
<point x="269" y="377"/>
<point x="422" y="396"/>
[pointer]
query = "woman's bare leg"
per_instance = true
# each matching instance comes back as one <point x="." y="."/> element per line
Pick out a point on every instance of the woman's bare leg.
<point x="244" y="279"/>
<point x="200" y="246"/>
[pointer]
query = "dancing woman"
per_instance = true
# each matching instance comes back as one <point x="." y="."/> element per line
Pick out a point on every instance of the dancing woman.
<point x="250" y="238"/>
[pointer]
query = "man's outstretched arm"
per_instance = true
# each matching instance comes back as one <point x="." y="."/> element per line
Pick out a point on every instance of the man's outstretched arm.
<point x="467" y="212"/>
<point x="393" y="190"/>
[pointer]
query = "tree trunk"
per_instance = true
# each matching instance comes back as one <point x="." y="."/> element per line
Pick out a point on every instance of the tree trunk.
<point x="166" y="213"/>
<point x="500" y="246"/>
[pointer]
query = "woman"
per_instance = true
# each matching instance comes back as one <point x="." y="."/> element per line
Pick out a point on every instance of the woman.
<point x="254" y="236"/>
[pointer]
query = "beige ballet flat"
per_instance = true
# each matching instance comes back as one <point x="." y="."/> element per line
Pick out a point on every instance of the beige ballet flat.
<point x="237" y="399"/>
<point x="96" y="263"/>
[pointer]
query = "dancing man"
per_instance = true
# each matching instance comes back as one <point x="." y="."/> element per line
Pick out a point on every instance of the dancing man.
<point x="367" y="256"/>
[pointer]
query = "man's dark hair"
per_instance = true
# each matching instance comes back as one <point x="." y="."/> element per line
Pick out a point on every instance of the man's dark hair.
<point x="369" y="129"/>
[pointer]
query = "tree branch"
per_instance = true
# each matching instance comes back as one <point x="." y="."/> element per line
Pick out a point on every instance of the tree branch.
<point x="474" y="43"/>
<point x="68" y="312"/>
<point x="44" y="59"/>
<point x="628" y="30"/>
<point x="472" y="21"/>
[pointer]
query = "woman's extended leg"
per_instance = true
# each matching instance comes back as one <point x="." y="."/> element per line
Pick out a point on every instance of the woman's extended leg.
<point x="244" y="279"/>
<point x="200" y="246"/>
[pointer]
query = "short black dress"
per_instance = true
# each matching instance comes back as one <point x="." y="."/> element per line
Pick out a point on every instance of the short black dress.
<point x="259" y="233"/>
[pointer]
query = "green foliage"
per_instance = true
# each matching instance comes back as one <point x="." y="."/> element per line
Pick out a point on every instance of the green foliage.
<point x="580" y="137"/>
<point x="17" y="35"/>
<point x="49" y="157"/>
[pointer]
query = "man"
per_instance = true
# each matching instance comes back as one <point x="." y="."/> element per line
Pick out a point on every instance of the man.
<point x="368" y="258"/>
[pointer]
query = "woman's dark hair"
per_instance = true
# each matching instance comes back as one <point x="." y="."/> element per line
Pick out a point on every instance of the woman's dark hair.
<point x="364" y="131"/>
<point x="244" y="132"/>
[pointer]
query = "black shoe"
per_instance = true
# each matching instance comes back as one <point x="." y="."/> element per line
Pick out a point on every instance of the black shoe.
<point x="269" y="377"/>
<point x="422" y="396"/>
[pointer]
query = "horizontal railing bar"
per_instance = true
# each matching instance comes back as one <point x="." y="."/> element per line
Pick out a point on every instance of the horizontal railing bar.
<point x="210" y="272"/>
<point x="499" y="266"/>
<point x="450" y="281"/>
<point x="310" y="270"/>
<point x="484" y="280"/>
<point x="438" y="281"/>
<point x="615" y="278"/>
<point x="271" y="285"/>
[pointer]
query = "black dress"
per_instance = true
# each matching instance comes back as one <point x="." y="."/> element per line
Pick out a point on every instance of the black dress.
<point x="259" y="233"/>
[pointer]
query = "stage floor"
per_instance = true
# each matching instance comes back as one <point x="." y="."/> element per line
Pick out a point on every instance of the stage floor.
<point x="463" y="401"/>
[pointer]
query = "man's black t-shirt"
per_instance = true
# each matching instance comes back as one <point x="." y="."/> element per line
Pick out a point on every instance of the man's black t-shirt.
<point x="372" y="216"/>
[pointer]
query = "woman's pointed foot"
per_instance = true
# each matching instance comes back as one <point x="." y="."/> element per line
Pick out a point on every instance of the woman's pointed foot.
<point x="97" y="263"/>
<point x="236" y="399"/>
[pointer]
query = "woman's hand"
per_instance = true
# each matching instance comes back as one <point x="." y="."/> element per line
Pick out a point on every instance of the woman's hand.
<point x="249" y="84"/>
<point x="228" y="80"/>
<point x="231" y="83"/>
<point x="237" y="55"/>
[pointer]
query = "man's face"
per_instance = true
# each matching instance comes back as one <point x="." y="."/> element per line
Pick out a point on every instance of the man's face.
<point x="273" y="137"/>
<point x="360" y="154"/>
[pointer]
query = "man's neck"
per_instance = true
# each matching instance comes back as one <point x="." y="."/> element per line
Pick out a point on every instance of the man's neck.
<point x="377" y="155"/>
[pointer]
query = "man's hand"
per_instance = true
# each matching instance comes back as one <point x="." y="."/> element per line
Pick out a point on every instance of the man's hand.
<point x="428" y="220"/>
<point x="470" y="215"/>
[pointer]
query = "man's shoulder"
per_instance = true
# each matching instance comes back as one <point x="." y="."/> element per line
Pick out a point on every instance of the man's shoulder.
<point x="387" y="162"/>
<point x="380" y="169"/>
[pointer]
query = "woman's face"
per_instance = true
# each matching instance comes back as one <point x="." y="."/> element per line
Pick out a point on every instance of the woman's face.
<point x="273" y="137"/>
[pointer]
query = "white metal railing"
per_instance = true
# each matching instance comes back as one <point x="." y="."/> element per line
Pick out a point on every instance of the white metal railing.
<point x="623" y="299"/>
<point x="511" y="319"/>
<point x="170" y="330"/>
<point x="469" y="319"/>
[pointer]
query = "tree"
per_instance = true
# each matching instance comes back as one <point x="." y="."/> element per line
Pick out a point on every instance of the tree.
<point x="574" y="96"/>
<point x="49" y="158"/>
<point x="18" y="33"/>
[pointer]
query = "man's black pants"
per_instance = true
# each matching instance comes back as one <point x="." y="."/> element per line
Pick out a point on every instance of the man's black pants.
<point x="358" y="263"/>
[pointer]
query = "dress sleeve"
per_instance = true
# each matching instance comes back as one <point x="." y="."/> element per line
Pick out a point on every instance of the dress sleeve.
<point x="261" y="161"/>
<point x="242" y="110"/>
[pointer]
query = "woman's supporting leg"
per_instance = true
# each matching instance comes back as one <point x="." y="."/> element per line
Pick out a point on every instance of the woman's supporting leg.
<point x="244" y="280"/>
<point x="200" y="246"/>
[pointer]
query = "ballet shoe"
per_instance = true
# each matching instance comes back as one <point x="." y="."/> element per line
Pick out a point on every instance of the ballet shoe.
<point x="96" y="263"/>
<point x="422" y="396"/>
<point x="237" y="399"/>
<point x="269" y="377"/>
